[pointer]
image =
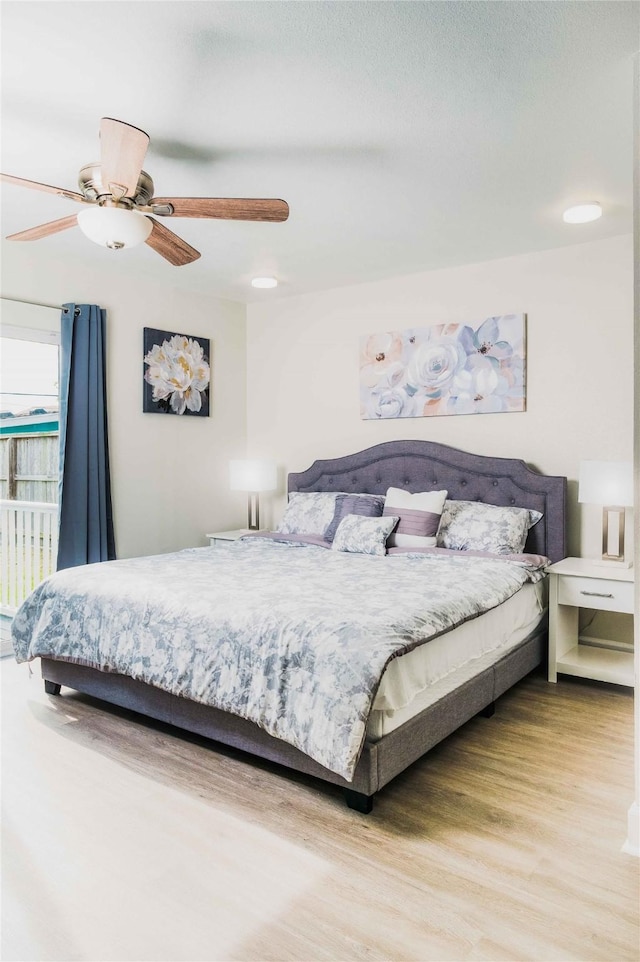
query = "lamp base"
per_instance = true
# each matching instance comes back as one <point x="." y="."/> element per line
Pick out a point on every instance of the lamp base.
<point x="253" y="511"/>
<point x="613" y="518"/>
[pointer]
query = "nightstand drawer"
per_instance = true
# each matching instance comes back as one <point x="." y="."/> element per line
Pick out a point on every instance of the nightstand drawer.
<point x="600" y="593"/>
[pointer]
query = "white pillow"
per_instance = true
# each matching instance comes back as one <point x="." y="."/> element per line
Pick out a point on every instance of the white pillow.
<point x="363" y="535"/>
<point x="419" y="517"/>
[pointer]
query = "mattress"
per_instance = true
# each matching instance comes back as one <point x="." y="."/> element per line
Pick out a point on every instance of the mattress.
<point x="418" y="679"/>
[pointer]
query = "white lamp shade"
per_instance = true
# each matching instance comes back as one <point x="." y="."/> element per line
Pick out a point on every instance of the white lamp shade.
<point x="114" y="227"/>
<point x="253" y="475"/>
<point x="606" y="483"/>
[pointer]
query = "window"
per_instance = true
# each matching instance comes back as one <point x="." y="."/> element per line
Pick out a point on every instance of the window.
<point x="29" y="378"/>
<point x="28" y="371"/>
<point x="29" y="384"/>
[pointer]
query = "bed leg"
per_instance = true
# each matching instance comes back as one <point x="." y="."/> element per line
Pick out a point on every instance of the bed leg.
<point x="489" y="711"/>
<point x="51" y="687"/>
<point x="358" y="801"/>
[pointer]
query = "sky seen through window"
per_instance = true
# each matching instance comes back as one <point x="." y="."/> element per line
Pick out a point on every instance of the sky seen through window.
<point x="29" y="375"/>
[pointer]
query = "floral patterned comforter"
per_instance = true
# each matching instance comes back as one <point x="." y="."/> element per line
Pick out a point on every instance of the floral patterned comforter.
<point x="293" y="637"/>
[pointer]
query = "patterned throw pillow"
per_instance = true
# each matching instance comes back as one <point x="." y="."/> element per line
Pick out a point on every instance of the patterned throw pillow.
<point x="311" y="512"/>
<point x="308" y="513"/>
<point x="365" y="505"/>
<point x="419" y="517"/>
<point x="363" y="535"/>
<point x="474" y="526"/>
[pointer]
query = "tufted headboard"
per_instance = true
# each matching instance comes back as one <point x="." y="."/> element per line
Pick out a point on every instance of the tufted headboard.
<point x="429" y="466"/>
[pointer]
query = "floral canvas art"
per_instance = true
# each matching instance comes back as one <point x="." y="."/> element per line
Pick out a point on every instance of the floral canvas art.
<point x="177" y="375"/>
<point x="444" y="369"/>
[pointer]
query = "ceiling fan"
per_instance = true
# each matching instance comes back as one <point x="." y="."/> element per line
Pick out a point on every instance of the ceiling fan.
<point x="118" y="198"/>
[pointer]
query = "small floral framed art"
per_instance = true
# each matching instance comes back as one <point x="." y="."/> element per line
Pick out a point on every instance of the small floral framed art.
<point x="177" y="373"/>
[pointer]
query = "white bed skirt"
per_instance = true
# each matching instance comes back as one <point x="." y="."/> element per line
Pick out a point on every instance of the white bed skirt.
<point x="418" y="679"/>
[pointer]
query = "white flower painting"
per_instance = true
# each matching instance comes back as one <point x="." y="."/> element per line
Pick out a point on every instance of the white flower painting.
<point x="177" y="373"/>
<point x="444" y="369"/>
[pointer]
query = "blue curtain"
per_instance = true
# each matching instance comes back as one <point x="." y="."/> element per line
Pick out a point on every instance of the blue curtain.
<point x="86" y="519"/>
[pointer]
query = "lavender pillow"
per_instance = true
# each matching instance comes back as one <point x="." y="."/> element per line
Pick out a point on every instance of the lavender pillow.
<point x="366" y="506"/>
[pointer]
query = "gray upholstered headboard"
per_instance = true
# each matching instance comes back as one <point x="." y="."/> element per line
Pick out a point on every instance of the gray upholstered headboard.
<point x="427" y="465"/>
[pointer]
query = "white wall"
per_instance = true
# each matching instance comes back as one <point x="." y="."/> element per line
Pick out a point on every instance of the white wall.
<point x="169" y="473"/>
<point x="295" y="397"/>
<point x="302" y="365"/>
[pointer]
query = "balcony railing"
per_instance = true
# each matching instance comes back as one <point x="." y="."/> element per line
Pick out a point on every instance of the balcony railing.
<point x="28" y="549"/>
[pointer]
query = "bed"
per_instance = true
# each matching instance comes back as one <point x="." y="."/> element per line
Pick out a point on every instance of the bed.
<point x="359" y="737"/>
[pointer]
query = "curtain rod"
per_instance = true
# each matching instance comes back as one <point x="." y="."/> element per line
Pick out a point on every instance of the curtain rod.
<point x="53" y="307"/>
<point x="19" y="300"/>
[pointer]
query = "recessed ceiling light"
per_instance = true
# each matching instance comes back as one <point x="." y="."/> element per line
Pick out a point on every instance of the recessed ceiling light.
<point x="264" y="282"/>
<point x="582" y="214"/>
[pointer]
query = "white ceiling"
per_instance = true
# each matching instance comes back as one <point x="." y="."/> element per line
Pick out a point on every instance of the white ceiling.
<point x="405" y="136"/>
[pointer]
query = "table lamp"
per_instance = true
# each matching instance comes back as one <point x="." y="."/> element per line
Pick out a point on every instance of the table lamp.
<point x="609" y="483"/>
<point x="253" y="477"/>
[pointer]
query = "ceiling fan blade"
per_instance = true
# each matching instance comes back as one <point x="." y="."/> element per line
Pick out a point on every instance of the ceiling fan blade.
<point x="122" y="153"/>
<point x="34" y="185"/>
<point x="44" y="230"/>
<point x="170" y="246"/>
<point x="223" y="208"/>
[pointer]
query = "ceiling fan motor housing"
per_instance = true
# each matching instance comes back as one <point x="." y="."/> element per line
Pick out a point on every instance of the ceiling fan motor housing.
<point x="92" y="187"/>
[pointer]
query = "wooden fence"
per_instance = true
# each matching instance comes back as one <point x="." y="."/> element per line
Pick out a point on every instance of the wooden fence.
<point x="29" y="468"/>
<point x="28" y="515"/>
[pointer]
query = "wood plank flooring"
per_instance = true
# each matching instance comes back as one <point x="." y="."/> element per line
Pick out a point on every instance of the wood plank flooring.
<point x="122" y="841"/>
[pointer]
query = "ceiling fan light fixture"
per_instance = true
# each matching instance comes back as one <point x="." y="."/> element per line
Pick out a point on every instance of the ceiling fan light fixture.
<point x="264" y="282"/>
<point x="114" y="227"/>
<point x="120" y="194"/>
<point x="582" y="213"/>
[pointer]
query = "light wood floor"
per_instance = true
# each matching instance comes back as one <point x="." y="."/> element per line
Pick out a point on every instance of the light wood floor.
<point x="122" y="841"/>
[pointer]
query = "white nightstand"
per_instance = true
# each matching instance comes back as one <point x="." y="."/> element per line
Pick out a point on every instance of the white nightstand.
<point x="219" y="537"/>
<point x="579" y="583"/>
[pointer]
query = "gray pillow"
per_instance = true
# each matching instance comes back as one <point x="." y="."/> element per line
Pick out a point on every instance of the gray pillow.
<point x="367" y="506"/>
